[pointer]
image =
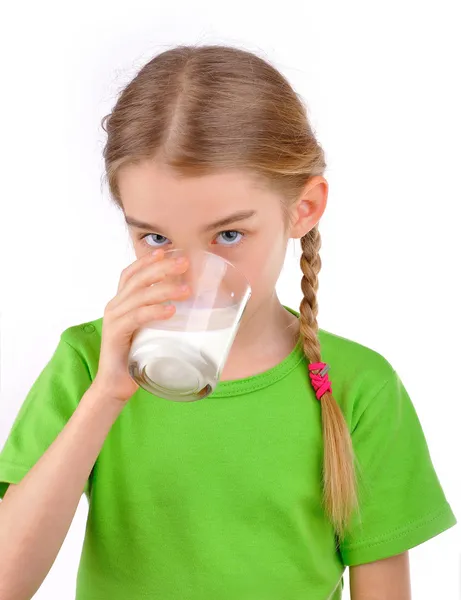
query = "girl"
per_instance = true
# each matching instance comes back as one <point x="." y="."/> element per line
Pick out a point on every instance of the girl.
<point x="268" y="488"/>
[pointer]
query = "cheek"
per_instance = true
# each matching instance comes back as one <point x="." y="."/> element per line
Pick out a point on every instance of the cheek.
<point x="140" y="248"/>
<point x="264" y="266"/>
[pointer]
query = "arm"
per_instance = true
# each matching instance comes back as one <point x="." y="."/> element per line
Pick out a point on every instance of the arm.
<point x="386" y="579"/>
<point x="36" y="514"/>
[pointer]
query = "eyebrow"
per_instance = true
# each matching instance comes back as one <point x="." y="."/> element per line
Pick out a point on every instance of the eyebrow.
<point x="234" y="218"/>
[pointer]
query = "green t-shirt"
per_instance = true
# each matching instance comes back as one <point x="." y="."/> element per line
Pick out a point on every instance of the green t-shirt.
<point x="221" y="498"/>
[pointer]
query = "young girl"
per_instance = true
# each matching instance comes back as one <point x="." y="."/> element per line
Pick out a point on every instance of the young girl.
<point x="309" y="455"/>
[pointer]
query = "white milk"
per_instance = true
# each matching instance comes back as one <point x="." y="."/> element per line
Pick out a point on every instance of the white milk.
<point x="187" y="351"/>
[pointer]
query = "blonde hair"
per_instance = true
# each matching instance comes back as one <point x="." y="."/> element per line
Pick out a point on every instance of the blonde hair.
<point x="203" y="108"/>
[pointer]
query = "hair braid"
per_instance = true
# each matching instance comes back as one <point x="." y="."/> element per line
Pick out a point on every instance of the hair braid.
<point x="339" y="482"/>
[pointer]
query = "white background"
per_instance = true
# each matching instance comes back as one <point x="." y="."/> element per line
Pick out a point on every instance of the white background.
<point x="381" y="81"/>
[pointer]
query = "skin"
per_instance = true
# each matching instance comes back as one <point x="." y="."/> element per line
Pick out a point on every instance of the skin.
<point x="178" y="210"/>
<point x="387" y="579"/>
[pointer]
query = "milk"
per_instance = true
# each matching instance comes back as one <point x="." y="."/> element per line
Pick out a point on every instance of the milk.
<point x="184" y="354"/>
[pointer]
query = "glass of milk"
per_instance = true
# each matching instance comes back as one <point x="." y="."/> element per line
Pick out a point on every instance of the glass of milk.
<point x="181" y="358"/>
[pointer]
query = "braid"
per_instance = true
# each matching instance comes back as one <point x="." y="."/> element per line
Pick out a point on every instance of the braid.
<point x="339" y="482"/>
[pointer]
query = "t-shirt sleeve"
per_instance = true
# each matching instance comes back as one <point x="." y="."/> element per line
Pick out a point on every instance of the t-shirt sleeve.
<point x="402" y="503"/>
<point x="46" y="409"/>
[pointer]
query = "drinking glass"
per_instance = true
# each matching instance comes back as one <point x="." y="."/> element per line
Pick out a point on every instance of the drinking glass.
<point x="181" y="358"/>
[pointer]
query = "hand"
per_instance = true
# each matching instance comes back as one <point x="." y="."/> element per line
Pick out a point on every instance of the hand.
<point x="136" y="303"/>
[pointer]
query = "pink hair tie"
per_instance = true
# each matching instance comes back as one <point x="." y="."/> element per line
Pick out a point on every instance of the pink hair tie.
<point x="320" y="381"/>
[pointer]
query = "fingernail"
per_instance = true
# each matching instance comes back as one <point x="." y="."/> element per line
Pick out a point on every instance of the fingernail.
<point x="181" y="260"/>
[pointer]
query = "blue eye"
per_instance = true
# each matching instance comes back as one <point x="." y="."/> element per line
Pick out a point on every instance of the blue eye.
<point x="231" y="238"/>
<point x="159" y="240"/>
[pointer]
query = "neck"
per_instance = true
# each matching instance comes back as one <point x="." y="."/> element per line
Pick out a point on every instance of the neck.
<point x="266" y="325"/>
<point x="267" y="334"/>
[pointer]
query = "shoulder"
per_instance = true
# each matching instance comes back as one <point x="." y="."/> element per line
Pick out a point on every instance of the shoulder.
<point x="358" y="372"/>
<point x="352" y="354"/>
<point x="350" y="360"/>
<point x="353" y="357"/>
<point x="82" y="332"/>
<point x="85" y="339"/>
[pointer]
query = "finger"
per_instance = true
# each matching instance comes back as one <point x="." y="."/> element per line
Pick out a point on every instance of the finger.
<point x="125" y="326"/>
<point x="149" y="296"/>
<point x="150" y="274"/>
<point x="145" y="260"/>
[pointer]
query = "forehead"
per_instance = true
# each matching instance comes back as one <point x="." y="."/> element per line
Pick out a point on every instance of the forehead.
<point x="150" y="190"/>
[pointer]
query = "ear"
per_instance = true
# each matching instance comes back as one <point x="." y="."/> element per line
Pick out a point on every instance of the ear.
<point x="306" y="212"/>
